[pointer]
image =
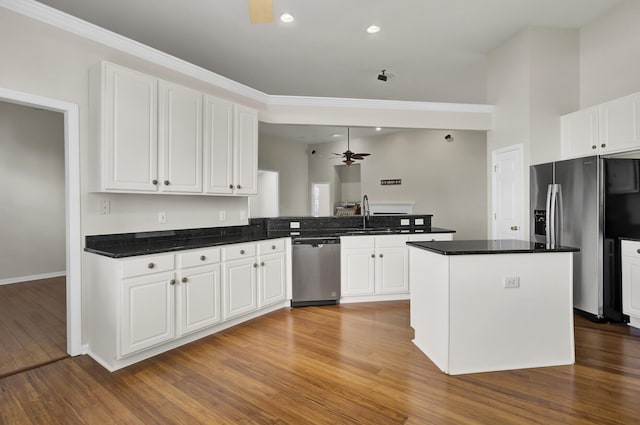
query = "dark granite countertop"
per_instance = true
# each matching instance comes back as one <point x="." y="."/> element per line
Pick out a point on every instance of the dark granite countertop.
<point x="133" y="244"/>
<point x="496" y="246"/>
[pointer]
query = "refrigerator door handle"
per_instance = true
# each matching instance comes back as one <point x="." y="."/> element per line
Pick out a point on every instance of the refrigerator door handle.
<point x="559" y="223"/>
<point x="552" y="218"/>
<point x="548" y="226"/>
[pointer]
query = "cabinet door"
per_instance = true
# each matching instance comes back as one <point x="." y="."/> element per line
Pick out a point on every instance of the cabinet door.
<point x="199" y="298"/>
<point x="580" y="133"/>
<point x="631" y="278"/>
<point x="357" y="271"/>
<point x="180" y="139"/>
<point x="239" y="288"/>
<point x="130" y="130"/>
<point x="619" y="119"/>
<point x="218" y="146"/>
<point x="391" y="274"/>
<point x="272" y="279"/>
<point x="246" y="151"/>
<point x="148" y="312"/>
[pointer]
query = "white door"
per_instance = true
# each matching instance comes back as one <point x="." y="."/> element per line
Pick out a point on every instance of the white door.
<point x="507" y="194"/>
<point x="619" y="124"/>
<point x="199" y="303"/>
<point x="245" y="164"/>
<point x="357" y="275"/>
<point x="148" y="312"/>
<point x="391" y="275"/>
<point x="272" y="281"/>
<point x="130" y="130"/>
<point x="180" y="146"/>
<point x="218" y="145"/>
<point x="240" y="287"/>
<point x="321" y="200"/>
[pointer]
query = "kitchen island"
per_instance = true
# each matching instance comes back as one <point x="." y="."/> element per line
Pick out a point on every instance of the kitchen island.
<point x="489" y="305"/>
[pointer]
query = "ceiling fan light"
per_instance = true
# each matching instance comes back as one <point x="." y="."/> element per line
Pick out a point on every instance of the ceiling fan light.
<point x="373" y="29"/>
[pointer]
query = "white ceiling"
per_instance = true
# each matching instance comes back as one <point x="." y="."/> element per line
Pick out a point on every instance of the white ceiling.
<point x="437" y="48"/>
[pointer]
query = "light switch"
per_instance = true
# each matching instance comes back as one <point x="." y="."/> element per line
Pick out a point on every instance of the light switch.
<point x="294" y="225"/>
<point x="512" y="282"/>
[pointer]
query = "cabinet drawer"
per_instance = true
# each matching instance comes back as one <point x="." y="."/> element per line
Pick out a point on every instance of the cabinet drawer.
<point x="430" y="237"/>
<point x="147" y="265"/>
<point x="235" y="252"/>
<point x="630" y="249"/>
<point x="200" y="257"/>
<point x="270" y="246"/>
<point x="391" y="241"/>
<point x="357" y="242"/>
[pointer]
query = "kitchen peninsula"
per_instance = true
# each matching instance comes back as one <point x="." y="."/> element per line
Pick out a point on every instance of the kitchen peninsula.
<point x="488" y="305"/>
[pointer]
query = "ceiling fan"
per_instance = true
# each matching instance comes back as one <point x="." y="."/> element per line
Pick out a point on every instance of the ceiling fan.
<point x="350" y="157"/>
<point x="260" y="11"/>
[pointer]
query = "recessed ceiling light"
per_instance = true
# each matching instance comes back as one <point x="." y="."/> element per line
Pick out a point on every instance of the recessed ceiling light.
<point x="373" y="29"/>
<point x="335" y="135"/>
<point x="378" y="128"/>
<point x="286" y="17"/>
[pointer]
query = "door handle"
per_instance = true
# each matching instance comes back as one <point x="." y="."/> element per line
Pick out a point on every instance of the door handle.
<point x="514" y="228"/>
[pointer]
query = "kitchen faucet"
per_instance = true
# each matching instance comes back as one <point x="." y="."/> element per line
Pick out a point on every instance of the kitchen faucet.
<point x="366" y="212"/>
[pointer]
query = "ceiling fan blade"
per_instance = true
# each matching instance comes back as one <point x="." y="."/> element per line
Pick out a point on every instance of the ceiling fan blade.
<point x="260" y="11"/>
<point x="356" y="156"/>
<point x="362" y="154"/>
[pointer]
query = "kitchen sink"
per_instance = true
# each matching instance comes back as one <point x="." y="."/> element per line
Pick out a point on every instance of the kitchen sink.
<point x="372" y="232"/>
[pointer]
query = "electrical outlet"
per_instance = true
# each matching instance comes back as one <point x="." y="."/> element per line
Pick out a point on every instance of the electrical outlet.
<point x="223" y="215"/>
<point x="105" y="207"/>
<point x="512" y="282"/>
<point x="419" y="221"/>
<point x="162" y="217"/>
<point x="405" y="222"/>
<point x="294" y="225"/>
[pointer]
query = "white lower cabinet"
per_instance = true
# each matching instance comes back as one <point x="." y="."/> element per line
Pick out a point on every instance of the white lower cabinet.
<point x="377" y="267"/>
<point x="142" y="306"/>
<point x="148" y="313"/>
<point x="240" y="287"/>
<point x="631" y="281"/>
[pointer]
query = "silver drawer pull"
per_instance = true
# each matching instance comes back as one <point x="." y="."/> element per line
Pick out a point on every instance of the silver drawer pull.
<point x="273" y="247"/>
<point x="172" y="282"/>
<point x="202" y="258"/>
<point x="638" y="251"/>
<point x="151" y="265"/>
<point x="242" y="251"/>
<point x="262" y="263"/>
<point x="255" y="265"/>
<point x="184" y="280"/>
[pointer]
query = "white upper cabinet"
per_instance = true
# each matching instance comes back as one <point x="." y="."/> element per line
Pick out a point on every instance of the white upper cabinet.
<point x="218" y="147"/>
<point x="129" y="129"/>
<point x="180" y="146"/>
<point x="246" y="151"/>
<point x="156" y="136"/>
<point x="607" y="128"/>
<point x="619" y="124"/>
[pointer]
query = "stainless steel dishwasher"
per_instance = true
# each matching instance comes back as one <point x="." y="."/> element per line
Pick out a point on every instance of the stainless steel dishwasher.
<point x="316" y="271"/>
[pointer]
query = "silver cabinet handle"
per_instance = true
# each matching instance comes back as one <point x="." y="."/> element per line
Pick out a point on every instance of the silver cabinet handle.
<point x="638" y="251"/>
<point x="262" y="264"/>
<point x="166" y="182"/>
<point x="255" y="265"/>
<point x="594" y="147"/>
<point x="172" y="282"/>
<point x="273" y="247"/>
<point x="230" y="186"/>
<point x="154" y="182"/>
<point x="202" y="258"/>
<point x="514" y="228"/>
<point x="239" y="187"/>
<point x="151" y="265"/>
<point x="373" y="255"/>
<point x="184" y="280"/>
<point x="604" y="145"/>
<point x="242" y="251"/>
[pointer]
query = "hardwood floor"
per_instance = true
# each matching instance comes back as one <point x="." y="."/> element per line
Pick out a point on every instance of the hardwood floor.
<point x="348" y="364"/>
<point x="32" y="324"/>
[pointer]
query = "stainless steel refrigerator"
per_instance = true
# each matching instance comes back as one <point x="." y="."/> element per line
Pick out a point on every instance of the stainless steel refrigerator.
<point x="566" y="203"/>
<point x="589" y="203"/>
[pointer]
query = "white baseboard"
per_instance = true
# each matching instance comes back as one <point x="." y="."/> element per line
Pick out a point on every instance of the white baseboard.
<point x="32" y="277"/>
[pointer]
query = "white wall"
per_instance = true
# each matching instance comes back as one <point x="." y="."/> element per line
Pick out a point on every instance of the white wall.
<point x="610" y="55"/>
<point x="290" y="160"/>
<point x="447" y="180"/>
<point x="32" y="211"/>
<point x="532" y="80"/>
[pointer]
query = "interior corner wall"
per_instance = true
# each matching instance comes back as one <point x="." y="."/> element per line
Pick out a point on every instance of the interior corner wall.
<point x="532" y="80"/>
<point x="32" y="184"/>
<point x="610" y="55"/>
<point x="290" y="159"/>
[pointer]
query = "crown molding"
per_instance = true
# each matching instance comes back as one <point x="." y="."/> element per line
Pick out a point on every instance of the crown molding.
<point x="87" y="30"/>
<point x="339" y="102"/>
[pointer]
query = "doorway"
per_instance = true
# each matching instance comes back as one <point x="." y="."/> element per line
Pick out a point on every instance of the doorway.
<point x="73" y="241"/>
<point x="321" y="200"/>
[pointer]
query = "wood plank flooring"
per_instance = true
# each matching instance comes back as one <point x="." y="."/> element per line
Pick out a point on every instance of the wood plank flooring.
<point x="32" y="324"/>
<point x="347" y="364"/>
